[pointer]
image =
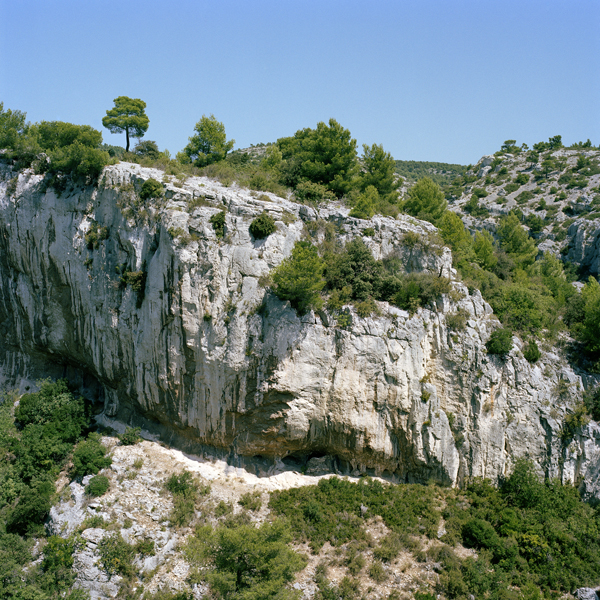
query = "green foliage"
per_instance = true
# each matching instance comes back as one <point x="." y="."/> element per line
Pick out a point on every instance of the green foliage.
<point x="379" y="172"/>
<point x="116" y="555"/>
<point x="299" y="278"/>
<point x="312" y="193"/>
<point x="325" y="155"/>
<point x="32" y="509"/>
<point x="592" y="403"/>
<point x="515" y="241"/>
<point x="531" y="352"/>
<point x="441" y="173"/>
<point x="90" y="456"/>
<point x="151" y="189"/>
<point x="354" y="268"/>
<point x="251" y="501"/>
<point x="98" y="486"/>
<point x="419" y="289"/>
<point x="331" y="511"/>
<point x="209" y="145"/>
<point x="95" y="235"/>
<point x="500" y="342"/>
<point x="589" y="332"/>
<point x="218" y="222"/>
<point x="262" y="226"/>
<point x="524" y="197"/>
<point x="574" y="420"/>
<point x="366" y="204"/>
<point x="425" y="201"/>
<point x="130" y="437"/>
<point x="182" y="484"/>
<point x="246" y="562"/>
<point x="58" y="553"/>
<point x="12" y="127"/>
<point x="129" y="116"/>
<point x="147" y="148"/>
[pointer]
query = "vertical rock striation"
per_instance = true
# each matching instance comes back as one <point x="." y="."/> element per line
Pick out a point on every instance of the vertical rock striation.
<point x="172" y="328"/>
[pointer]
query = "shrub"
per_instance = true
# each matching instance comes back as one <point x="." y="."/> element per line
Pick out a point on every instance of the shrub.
<point x="246" y="561"/>
<point x="33" y="507"/>
<point x="58" y="553"/>
<point x="116" y="555"/>
<point x="366" y="204"/>
<point x="262" y="226"/>
<point x="531" y="352"/>
<point x="524" y="197"/>
<point x="299" y="278"/>
<point x="457" y="320"/>
<point x="251" y="501"/>
<point x="426" y="201"/>
<point x="500" y="342"/>
<point x="95" y="235"/>
<point x="151" y="189"/>
<point x="182" y="484"/>
<point x="130" y="437"/>
<point x="218" y="223"/>
<point x="419" y="289"/>
<point x="312" y="193"/>
<point x="509" y="188"/>
<point x="135" y="279"/>
<point x="98" y="486"/>
<point x="90" y="456"/>
<point x="522" y="178"/>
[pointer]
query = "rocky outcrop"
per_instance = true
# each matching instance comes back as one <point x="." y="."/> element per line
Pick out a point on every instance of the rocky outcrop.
<point x="171" y="327"/>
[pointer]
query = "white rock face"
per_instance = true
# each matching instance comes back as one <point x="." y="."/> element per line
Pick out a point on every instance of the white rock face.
<point x="207" y="357"/>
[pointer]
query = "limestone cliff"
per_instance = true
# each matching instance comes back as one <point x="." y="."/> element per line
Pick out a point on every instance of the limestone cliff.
<point x="170" y="327"/>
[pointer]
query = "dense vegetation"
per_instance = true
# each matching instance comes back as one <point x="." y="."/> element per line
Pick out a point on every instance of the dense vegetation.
<point x="532" y="538"/>
<point x="36" y="440"/>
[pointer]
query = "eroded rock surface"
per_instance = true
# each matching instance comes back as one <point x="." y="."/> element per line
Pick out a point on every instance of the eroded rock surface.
<point x="201" y="353"/>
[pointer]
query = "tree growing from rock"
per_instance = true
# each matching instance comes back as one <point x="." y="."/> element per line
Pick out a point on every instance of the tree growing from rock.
<point x="128" y="115"/>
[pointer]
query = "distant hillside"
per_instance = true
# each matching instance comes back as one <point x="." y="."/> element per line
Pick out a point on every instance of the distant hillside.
<point x="441" y="173"/>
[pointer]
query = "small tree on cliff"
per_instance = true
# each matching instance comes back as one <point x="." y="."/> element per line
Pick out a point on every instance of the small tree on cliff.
<point x="128" y="115"/>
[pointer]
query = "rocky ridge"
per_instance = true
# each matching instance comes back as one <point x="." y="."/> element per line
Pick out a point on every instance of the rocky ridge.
<point x="171" y="328"/>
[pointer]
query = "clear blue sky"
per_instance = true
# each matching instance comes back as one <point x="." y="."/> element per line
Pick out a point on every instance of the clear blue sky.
<point x="440" y="80"/>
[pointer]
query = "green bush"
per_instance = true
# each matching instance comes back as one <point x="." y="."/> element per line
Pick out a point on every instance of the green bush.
<point x="420" y="289"/>
<point x="98" y="486"/>
<point x="500" y="342"/>
<point x="522" y="178"/>
<point x="354" y="268"/>
<point x="116" y="555"/>
<point x="90" y="456"/>
<point x="325" y="155"/>
<point x="32" y="509"/>
<point x="312" y="193"/>
<point x="182" y="484"/>
<point x="246" y="561"/>
<point x="95" y="235"/>
<point x="58" y="553"/>
<point x="262" y="226"/>
<point x="331" y="511"/>
<point x="218" y="222"/>
<point x="130" y="437"/>
<point x="524" y="197"/>
<point x="251" y="501"/>
<point x="509" y="188"/>
<point x="531" y="352"/>
<point x="299" y="278"/>
<point x="425" y="201"/>
<point x="151" y="189"/>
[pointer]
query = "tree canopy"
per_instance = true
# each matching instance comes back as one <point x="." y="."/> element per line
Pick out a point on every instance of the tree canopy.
<point x="210" y="144"/>
<point x="426" y="201"/>
<point x="129" y="116"/>
<point x="379" y="171"/>
<point x="325" y="155"/>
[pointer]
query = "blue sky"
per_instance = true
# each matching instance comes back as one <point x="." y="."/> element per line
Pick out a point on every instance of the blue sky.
<point x="439" y="80"/>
